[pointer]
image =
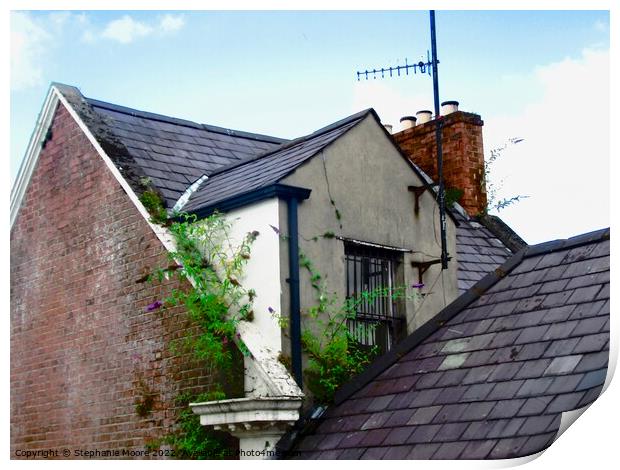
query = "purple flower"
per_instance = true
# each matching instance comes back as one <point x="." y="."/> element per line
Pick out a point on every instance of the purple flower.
<point x="271" y="310"/>
<point x="239" y="335"/>
<point x="275" y="229"/>
<point x="418" y="285"/>
<point x="225" y="341"/>
<point x="154" y="306"/>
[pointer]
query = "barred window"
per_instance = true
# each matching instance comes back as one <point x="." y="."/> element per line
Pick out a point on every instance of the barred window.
<point x="372" y="274"/>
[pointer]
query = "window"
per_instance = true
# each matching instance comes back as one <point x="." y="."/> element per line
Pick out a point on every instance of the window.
<point x="378" y="319"/>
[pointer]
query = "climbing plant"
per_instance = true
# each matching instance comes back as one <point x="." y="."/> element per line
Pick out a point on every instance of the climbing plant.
<point x="494" y="202"/>
<point x="206" y="256"/>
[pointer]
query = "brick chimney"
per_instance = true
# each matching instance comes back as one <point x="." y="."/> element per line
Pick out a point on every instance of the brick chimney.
<point x="463" y="156"/>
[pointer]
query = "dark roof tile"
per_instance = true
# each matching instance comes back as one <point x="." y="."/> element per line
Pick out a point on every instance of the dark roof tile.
<point x="376" y="420"/>
<point x="374" y="453"/>
<point x="506" y="408"/>
<point x="505" y="390"/>
<point x="398" y="435"/>
<point x="351" y="454"/>
<point x="422" y="451"/>
<point x="424" y="433"/>
<point x="593" y="361"/>
<point x="450" y="450"/>
<point x="477" y="392"/>
<point x="478" y="450"/>
<point x="592" y="379"/>
<point x="535" y="387"/>
<point x="374" y="437"/>
<point x="536" y="424"/>
<point x="424" y="415"/>
<point x="537" y="443"/>
<point x="507" y="448"/>
<point x="565" y="384"/>
<point x="565" y="402"/>
<point x="477" y="411"/>
<point x="492" y="377"/>
<point x="535" y="405"/>
<point x="397" y="453"/>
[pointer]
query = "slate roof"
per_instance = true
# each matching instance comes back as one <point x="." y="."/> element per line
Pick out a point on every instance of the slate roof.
<point x="172" y="152"/>
<point x="482" y="244"/>
<point x="269" y="168"/>
<point x="490" y="375"/>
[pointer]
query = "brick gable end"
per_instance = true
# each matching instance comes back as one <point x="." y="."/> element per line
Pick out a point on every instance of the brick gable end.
<point x="84" y="351"/>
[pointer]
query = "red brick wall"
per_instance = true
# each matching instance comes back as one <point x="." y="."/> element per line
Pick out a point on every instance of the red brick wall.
<point x="83" y="349"/>
<point x="463" y="155"/>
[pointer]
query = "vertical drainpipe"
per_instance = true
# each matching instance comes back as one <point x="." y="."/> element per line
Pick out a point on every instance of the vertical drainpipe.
<point x="295" y="315"/>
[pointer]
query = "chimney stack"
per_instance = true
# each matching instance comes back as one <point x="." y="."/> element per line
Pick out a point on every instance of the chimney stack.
<point x="463" y="155"/>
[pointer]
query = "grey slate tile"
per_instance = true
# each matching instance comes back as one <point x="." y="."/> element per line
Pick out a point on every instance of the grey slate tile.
<point x="565" y="402"/>
<point x="535" y="405"/>
<point x="397" y="453"/>
<point x="398" y="435"/>
<point x="592" y="379"/>
<point x="422" y="451"/>
<point x="505" y="399"/>
<point x="563" y="365"/>
<point x="374" y="453"/>
<point x="506" y="408"/>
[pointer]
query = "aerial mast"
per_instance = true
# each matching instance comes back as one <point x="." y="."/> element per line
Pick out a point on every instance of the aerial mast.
<point x="426" y="67"/>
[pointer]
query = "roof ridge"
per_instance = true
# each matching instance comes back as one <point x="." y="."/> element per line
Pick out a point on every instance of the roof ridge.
<point x="563" y="244"/>
<point x="182" y="122"/>
<point x="461" y="302"/>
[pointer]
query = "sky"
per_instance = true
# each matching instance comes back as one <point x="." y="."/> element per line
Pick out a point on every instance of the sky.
<point x="540" y="76"/>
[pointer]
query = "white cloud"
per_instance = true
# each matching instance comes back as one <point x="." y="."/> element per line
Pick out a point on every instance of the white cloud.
<point x="29" y="43"/>
<point x="126" y="29"/>
<point x="170" y="23"/>
<point x="563" y="163"/>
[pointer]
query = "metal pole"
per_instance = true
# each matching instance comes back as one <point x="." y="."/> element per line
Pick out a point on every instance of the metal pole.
<point x="438" y="126"/>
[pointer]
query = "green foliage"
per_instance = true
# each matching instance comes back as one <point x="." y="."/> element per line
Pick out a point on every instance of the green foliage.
<point x="206" y="256"/>
<point x="153" y="202"/>
<point x="192" y="440"/>
<point x="334" y="356"/>
<point x="146" y="400"/>
<point x="453" y="195"/>
<point x="217" y="302"/>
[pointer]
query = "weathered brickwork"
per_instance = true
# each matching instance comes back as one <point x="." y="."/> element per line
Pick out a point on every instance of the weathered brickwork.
<point x="84" y="351"/>
<point x="463" y="155"/>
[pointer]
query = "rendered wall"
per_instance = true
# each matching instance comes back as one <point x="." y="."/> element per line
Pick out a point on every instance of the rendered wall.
<point x="368" y="179"/>
<point x="84" y="352"/>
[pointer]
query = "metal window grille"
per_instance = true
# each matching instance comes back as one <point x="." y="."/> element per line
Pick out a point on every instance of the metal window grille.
<point x="377" y="320"/>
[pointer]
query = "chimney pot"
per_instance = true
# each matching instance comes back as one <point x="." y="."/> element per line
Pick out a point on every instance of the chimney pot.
<point x="388" y="127"/>
<point x="448" y="107"/>
<point x="408" y="122"/>
<point x="424" y="116"/>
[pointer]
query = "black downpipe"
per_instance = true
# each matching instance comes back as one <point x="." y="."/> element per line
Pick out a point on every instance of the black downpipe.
<point x="293" y="266"/>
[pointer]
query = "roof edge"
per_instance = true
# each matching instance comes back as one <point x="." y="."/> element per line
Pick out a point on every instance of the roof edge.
<point x="31" y="157"/>
<point x="502" y="231"/>
<point x="183" y="122"/>
<point x="256" y="195"/>
<point x="461" y="302"/>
